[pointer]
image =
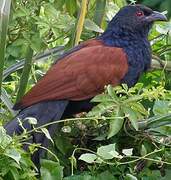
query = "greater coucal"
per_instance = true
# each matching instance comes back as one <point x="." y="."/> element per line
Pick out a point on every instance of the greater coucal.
<point x="120" y="55"/>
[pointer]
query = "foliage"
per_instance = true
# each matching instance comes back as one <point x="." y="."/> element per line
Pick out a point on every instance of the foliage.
<point x="126" y="136"/>
<point x="15" y="163"/>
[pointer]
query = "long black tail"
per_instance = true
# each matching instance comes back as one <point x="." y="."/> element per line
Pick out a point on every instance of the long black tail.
<point x="44" y="112"/>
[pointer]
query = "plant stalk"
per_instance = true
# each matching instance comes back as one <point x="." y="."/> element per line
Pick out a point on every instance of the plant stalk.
<point x="4" y="18"/>
<point x="27" y="66"/>
<point x="25" y="74"/>
<point x="81" y="20"/>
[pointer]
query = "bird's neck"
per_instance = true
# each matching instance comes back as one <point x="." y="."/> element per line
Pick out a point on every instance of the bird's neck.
<point x="122" y="38"/>
<point x="137" y="48"/>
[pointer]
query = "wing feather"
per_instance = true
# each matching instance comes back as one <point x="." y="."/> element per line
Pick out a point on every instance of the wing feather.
<point x="80" y="75"/>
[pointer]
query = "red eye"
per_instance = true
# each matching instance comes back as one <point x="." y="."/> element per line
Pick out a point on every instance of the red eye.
<point x="140" y="13"/>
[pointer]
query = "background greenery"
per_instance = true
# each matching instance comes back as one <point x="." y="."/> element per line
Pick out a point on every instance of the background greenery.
<point x="127" y="136"/>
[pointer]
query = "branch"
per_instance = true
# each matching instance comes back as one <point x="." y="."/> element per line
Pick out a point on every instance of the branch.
<point x="158" y="63"/>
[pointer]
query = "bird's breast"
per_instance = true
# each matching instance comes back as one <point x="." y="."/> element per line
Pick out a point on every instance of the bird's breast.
<point x="139" y="60"/>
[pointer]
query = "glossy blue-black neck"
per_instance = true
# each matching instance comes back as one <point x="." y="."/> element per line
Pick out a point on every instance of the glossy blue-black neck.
<point x="136" y="46"/>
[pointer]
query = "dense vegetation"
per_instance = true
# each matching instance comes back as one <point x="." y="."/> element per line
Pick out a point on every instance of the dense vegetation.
<point x="126" y="136"/>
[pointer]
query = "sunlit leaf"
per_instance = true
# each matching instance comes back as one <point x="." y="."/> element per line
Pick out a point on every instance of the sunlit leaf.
<point x="88" y="157"/>
<point x="108" y="152"/>
<point x="116" y="123"/>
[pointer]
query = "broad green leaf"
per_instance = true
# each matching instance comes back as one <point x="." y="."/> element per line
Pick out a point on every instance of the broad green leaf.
<point x="136" y="106"/>
<point x="130" y="177"/>
<point x="143" y="150"/>
<point x="164" y="29"/>
<point x="101" y="98"/>
<point x="101" y="109"/>
<point x="116" y="124"/>
<point x="90" y="25"/>
<point x="51" y="170"/>
<point x="106" y="175"/>
<point x="133" y="116"/>
<point x="4" y="138"/>
<point x="63" y="144"/>
<point x="111" y="92"/>
<point x="108" y="152"/>
<point x="161" y="107"/>
<point x="12" y="153"/>
<point x="81" y="177"/>
<point x="127" y="152"/>
<point x="14" y="173"/>
<point x="71" y="6"/>
<point x="88" y="157"/>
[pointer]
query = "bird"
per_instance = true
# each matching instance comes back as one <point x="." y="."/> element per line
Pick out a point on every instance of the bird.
<point x="119" y="55"/>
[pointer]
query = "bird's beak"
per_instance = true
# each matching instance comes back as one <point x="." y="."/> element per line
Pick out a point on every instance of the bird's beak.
<point x="157" y="16"/>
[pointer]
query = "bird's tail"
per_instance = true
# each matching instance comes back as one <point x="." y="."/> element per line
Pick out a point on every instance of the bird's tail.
<point x="44" y="112"/>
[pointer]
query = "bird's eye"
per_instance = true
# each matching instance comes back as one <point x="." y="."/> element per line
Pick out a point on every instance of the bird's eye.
<point x="139" y="13"/>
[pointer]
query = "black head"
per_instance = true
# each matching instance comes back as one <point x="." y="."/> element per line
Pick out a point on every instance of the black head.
<point x="136" y="18"/>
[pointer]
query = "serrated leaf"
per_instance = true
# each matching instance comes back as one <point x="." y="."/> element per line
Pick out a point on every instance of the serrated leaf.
<point x="88" y="157"/>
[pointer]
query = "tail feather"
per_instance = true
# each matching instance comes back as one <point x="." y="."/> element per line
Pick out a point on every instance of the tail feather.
<point x="44" y="112"/>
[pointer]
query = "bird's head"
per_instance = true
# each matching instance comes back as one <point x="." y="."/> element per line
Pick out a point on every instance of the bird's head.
<point x="136" y="18"/>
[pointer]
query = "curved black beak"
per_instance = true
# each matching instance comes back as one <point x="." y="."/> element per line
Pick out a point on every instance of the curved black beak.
<point x="157" y="16"/>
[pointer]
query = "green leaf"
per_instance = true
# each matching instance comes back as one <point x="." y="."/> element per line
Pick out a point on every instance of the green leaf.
<point x="88" y="157"/>
<point x="111" y="92"/>
<point x="47" y="134"/>
<point x="108" y="152"/>
<point x="132" y="115"/>
<point x="4" y="138"/>
<point x="143" y="150"/>
<point x="106" y="175"/>
<point x="14" y="173"/>
<point x="100" y="109"/>
<point x="116" y="124"/>
<point x="63" y="144"/>
<point x="136" y="106"/>
<point x="127" y="152"/>
<point x="51" y="170"/>
<point x="71" y="6"/>
<point x="37" y="43"/>
<point x="92" y="26"/>
<point x="101" y="98"/>
<point x="161" y="107"/>
<point x="12" y="153"/>
<point x="130" y="177"/>
<point x="80" y="177"/>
